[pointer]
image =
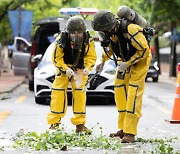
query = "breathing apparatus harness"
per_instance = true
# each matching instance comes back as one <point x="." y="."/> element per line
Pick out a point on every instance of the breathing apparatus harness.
<point x="123" y="41"/>
<point x="123" y="45"/>
<point x="77" y="51"/>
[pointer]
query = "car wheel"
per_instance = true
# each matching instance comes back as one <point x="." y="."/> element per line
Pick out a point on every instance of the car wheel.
<point x="31" y="85"/>
<point x="146" y="79"/>
<point x="40" y="100"/>
<point x="155" y="79"/>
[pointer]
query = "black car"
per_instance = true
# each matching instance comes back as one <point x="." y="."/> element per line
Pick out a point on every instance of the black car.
<point x="153" y="71"/>
<point x="46" y="28"/>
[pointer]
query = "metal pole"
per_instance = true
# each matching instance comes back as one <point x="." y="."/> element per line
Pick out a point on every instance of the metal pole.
<point x="19" y="18"/>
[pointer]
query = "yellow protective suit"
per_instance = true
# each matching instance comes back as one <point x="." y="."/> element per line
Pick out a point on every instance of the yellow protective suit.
<point x="59" y="102"/>
<point x="129" y="91"/>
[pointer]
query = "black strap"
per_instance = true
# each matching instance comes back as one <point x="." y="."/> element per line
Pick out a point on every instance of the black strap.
<point x="114" y="56"/>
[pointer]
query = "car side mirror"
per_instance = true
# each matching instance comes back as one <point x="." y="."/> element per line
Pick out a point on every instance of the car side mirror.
<point x="37" y="58"/>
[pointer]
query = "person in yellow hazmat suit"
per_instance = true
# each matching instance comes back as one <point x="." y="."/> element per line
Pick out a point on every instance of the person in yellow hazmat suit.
<point x="126" y="43"/>
<point x="74" y="57"/>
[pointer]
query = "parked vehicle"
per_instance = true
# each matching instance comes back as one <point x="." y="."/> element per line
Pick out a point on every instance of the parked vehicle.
<point x="23" y="60"/>
<point x="44" y="36"/>
<point x="153" y="71"/>
<point x="19" y="51"/>
<point x="44" y="74"/>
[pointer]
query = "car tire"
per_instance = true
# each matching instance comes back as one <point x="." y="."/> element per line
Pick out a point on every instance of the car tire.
<point x="31" y="85"/>
<point x="155" y="79"/>
<point x="112" y="101"/>
<point x="40" y="100"/>
<point x="146" y="79"/>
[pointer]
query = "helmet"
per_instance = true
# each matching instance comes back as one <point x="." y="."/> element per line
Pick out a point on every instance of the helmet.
<point x="103" y="20"/>
<point x="76" y="24"/>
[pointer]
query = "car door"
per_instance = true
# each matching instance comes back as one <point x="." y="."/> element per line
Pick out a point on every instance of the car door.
<point x="21" y="56"/>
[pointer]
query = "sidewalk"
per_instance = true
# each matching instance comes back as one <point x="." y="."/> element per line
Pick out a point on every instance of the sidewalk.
<point x="164" y="77"/>
<point x="8" y="81"/>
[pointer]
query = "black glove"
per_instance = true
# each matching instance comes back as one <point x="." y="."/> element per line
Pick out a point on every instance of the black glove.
<point x="149" y="31"/>
<point x="105" y="43"/>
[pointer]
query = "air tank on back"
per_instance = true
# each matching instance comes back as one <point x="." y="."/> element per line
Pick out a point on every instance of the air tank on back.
<point x="129" y="14"/>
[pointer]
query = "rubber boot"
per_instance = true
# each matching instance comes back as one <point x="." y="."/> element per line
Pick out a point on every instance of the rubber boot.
<point x="82" y="128"/>
<point x="128" y="138"/>
<point x="119" y="133"/>
<point x="54" y="126"/>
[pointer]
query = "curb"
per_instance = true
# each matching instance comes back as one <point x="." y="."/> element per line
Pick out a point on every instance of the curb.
<point x="14" y="87"/>
<point x="166" y="78"/>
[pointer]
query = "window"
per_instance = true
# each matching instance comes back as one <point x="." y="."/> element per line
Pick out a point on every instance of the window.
<point x="21" y="45"/>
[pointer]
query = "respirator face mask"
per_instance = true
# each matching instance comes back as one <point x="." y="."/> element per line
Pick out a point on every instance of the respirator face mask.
<point x="110" y="32"/>
<point x="76" y="39"/>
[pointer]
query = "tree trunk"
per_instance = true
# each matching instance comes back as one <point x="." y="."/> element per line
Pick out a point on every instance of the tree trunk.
<point x="173" y="60"/>
<point x="156" y="46"/>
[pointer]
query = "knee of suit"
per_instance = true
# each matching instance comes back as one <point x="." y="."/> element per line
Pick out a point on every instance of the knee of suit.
<point x="58" y="101"/>
<point x="79" y="100"/>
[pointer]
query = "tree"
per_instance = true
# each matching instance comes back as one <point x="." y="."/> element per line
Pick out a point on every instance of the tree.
<point x="41" y="9"/>
<point x="165" y="17"/>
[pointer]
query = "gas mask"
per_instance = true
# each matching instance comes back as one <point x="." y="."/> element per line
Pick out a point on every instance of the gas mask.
<point x="76" y="40"/>
<point x="104" y="39"/>
<point x="76" y="45"/>
<point x="111" y="31"/>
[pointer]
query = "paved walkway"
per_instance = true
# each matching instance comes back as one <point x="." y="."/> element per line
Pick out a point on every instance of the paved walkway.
<point x="8" y="81"/>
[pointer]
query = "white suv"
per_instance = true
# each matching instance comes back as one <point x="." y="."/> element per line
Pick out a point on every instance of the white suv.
<point x="100" y="86"/>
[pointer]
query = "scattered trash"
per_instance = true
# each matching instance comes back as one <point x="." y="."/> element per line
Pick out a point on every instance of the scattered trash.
<point x="20" y="132"/>
<point x="64" y="148"/>
<point x="4" y="98"/>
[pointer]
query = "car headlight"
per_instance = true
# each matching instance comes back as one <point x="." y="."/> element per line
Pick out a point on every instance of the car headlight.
<point x="156" y="65"/>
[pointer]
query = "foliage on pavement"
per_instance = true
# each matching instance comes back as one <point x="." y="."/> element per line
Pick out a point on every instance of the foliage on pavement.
<point x="160" y="146"/>
<point x="2" y="148"/>
<point x="61" y="140"/>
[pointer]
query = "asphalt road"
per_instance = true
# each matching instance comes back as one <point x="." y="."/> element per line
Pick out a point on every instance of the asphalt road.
<point x="21" y="112"/>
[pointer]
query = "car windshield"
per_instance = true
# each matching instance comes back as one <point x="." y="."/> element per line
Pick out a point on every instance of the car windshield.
<point x="48" y="54"/>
